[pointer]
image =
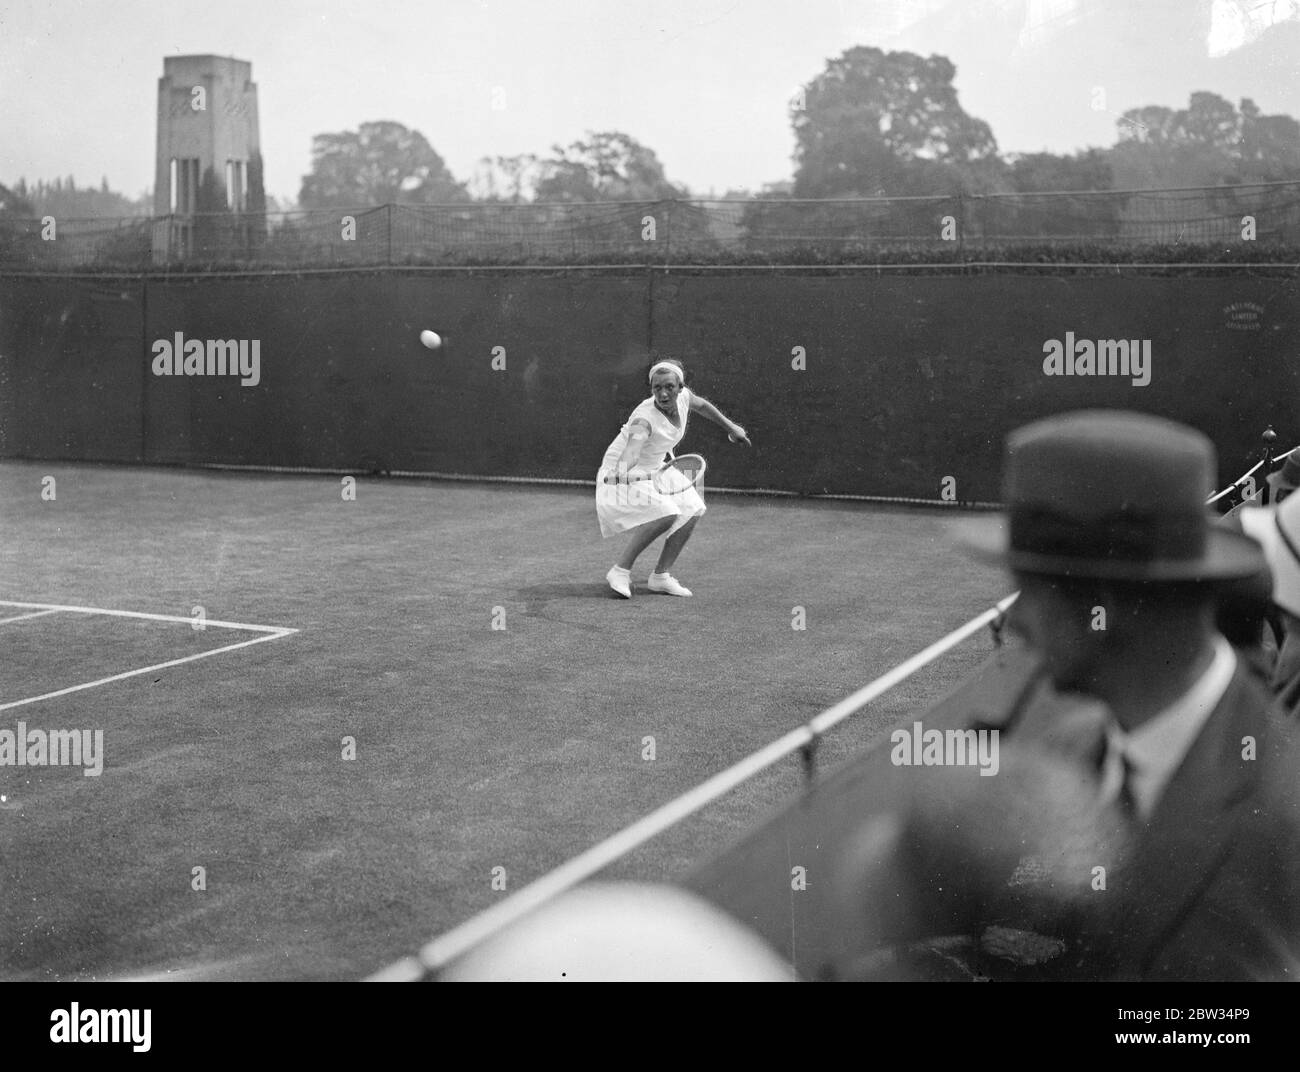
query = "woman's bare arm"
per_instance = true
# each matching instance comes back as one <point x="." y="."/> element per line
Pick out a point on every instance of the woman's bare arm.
<point x="639" y="433"/>
<point x="705" y="408"/>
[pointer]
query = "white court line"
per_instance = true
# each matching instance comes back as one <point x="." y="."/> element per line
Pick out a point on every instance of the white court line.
<point x="20" y="617"/>
<point x="272" y="632"/>
<point x="151" y="617"/>
<point x="276" y="635"/>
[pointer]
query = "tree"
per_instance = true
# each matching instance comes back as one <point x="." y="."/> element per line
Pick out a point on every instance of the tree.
<point x="876" y="125"/>
<point x="255" y="209"/>
<point x="507" y="179"/>
<point x="1048" y="173"/>
<point x="1269" y="146"/>
<point x="14" y="203"/>
<point x="608" y="166"/>
<point x="379" y="163"/>
<point x="20" y="245"/>
<point x="68" y="201"/>
<point x="1060" y="215"/>
<point x="1208" y="143"/>
<point x="211" y="234"/>
<point x="889" y="123"/>
<point x="1214" y="145"/>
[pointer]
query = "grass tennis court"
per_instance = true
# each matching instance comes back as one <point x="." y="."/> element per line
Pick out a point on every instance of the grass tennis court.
<point x="476" y="748"/>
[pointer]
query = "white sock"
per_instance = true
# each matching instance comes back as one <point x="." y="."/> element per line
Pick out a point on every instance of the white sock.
<point x="620" y="569"/>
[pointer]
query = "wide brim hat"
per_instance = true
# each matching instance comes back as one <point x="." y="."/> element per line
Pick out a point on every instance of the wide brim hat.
<point x="1277" y="531"/>
<point x="1286" y="478"/>
<point x="1110" y="495"/>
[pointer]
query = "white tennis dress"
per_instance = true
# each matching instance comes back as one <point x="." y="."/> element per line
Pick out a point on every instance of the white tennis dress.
<point x="625" y="506"/>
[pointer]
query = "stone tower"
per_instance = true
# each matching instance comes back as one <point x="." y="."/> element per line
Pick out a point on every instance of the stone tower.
<point x="208" y="177"/>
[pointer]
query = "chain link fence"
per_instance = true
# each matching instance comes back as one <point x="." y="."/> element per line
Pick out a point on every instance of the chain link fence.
<point x="995" y="227"/>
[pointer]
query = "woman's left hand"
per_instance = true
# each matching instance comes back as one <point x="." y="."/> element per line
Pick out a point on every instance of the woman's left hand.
<point x="738" y="435"/>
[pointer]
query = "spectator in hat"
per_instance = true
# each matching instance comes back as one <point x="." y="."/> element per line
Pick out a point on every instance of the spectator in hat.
<point x="1285" y="480"/>
<point x="1194" y="872"/>
<point x="1277" y="530"/>
<point x="1246" y="614"/>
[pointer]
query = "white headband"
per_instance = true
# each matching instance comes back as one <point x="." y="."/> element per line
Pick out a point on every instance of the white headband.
<point x="667" y="366"/>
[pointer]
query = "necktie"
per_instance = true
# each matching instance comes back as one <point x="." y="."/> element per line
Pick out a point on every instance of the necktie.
<point x="1117" y="777"/>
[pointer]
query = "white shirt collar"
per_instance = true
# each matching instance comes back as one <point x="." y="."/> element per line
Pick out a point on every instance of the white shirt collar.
<point x="1157" y="747"/>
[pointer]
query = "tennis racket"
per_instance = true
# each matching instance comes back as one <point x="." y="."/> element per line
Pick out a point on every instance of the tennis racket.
<point x="677" y="474"/>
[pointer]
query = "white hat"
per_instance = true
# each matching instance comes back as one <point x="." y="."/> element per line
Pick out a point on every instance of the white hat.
<point x="1277" y="531"/>
<point x="631" y="932"/>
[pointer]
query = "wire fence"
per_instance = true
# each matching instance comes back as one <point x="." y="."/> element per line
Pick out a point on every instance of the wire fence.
<point x="983" y="228"/>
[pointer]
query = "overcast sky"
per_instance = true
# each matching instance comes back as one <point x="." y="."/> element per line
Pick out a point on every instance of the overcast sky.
<point x="704" y="83"/>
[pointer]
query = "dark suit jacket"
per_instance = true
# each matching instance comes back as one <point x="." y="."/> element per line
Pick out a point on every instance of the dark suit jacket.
<point x="1212" y="890"/>
<point x="1284" y="678"/>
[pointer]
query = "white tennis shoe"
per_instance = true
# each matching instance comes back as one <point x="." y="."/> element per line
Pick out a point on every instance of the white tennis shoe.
<point x="619" y="581"/>
<point x="668" y="584"/>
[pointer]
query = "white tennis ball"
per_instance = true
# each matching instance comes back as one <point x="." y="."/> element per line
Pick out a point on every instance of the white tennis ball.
<point x="431" y="339"/>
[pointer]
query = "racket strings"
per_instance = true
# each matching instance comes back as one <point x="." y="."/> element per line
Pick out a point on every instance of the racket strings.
<point x="687" y="467"/>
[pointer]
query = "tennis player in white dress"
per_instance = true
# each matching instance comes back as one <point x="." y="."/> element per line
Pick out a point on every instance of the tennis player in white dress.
<point x="627" y="502"/>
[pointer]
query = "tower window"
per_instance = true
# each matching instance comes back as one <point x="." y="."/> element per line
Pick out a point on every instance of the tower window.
<point x="236" y="185"/>
<point x="185" y="185"/>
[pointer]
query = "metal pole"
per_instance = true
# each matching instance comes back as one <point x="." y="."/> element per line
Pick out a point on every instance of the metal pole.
<point x="1266" y="456"/>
